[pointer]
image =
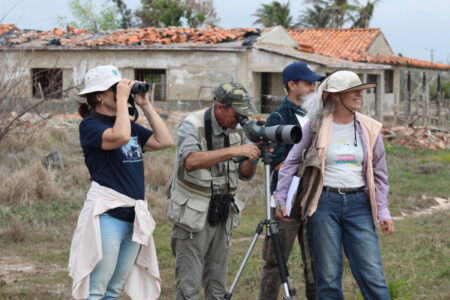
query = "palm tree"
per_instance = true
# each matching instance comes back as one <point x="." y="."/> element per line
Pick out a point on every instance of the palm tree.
<point x="326" y="13"/>
<point x="274" y="14"/>
<point x="317" y="16"/>
<point x="341" y="11"/>
<point x="364" y="14"/>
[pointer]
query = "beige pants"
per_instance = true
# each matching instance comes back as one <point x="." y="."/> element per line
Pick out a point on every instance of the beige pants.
<point x="200" y="259"/>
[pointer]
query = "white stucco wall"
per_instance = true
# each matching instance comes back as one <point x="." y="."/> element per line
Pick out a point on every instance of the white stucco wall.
<point x="262" y="61"/>
<point x="190" y="75"/>
<point x="380" y="45"/>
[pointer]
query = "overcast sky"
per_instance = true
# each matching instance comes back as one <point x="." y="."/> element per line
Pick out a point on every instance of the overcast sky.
<point x="411" y="27"/>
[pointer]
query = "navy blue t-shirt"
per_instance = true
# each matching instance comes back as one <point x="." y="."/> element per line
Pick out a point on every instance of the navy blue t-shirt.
<point x="121" y="169"/>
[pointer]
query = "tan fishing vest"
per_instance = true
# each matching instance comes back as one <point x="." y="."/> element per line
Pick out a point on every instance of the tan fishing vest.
<point x="191" y="192"/>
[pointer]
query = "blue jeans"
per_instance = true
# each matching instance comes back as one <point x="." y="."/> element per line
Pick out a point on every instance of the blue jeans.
<point x="119" y="254"/>
<point x="345" y="220"/>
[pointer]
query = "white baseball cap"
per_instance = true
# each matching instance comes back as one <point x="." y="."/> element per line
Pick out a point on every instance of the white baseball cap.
<point x="99" y="79"/>
<point x="342" y="81"/>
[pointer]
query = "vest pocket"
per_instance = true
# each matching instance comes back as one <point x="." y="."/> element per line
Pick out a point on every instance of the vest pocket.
<point x="188" y="210"/>
<point x="200" y="177"/>
<point x="235" y="215"/>
<point x="234" y="174"/>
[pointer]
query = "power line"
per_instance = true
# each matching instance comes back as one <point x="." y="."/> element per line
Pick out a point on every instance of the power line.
<point x="431" y="53"/>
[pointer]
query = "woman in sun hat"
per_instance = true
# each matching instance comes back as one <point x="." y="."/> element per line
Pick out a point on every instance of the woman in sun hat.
<point x="348" y="195"/>
<point x="112" y="245"/>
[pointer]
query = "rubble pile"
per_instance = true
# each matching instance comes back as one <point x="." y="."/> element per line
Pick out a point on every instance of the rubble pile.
<point x="418" y="137"/>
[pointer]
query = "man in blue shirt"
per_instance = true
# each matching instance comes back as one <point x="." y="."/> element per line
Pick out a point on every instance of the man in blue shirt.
<point x="299" y="80"/>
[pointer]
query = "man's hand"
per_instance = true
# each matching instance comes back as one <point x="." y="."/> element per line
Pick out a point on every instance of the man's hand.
<point x="250" y="151"/>
<point x="387" y="227"/>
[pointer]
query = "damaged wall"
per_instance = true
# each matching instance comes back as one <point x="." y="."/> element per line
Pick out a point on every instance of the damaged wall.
<point x="190" y="75"/>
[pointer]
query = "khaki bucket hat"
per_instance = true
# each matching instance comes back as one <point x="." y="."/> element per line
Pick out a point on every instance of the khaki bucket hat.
<point x="342" y="81"/>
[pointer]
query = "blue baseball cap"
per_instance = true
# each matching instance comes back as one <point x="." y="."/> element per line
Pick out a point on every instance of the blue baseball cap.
<point x="299" y="71"/>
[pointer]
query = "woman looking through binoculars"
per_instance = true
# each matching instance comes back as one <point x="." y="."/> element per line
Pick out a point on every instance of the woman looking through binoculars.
<point x="115" y="224"/>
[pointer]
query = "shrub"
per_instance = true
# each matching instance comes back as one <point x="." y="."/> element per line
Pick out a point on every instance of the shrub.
<point x="30" y="183"/>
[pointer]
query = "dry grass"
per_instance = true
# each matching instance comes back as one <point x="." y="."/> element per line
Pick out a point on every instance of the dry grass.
<point x="15" y="231"/>
<point x="39" y="209"/>
<point x="31" y="183"/>
<point x="158" y="170"/>
<point x="158" y="173"/>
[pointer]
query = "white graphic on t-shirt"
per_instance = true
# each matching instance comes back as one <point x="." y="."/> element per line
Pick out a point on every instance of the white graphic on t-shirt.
<point x="132" y="150"/>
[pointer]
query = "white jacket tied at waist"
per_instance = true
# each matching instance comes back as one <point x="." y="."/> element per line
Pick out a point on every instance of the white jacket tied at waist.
<point x="86" y="249"/>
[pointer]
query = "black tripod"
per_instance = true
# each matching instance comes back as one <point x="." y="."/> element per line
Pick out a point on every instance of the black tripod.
<point x="271" y="230"/>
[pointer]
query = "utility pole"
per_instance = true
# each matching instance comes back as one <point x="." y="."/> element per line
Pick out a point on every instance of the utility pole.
<point x="431" y="53"/>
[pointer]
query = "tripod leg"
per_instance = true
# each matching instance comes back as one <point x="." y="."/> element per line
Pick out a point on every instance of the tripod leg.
<point x="259" y="229"/>
<point x="284" y="274"/>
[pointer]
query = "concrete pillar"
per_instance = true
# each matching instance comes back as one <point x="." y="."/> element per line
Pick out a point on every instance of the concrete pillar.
<point x="408" y="104"/>
<point x="425" y="98"/>
<point x="365" y="109"/>
<point x="439" y="99"/>
<point x="28" y="82"/>
<point x="127" y="73"/>
<point x="379" y="96"/>
<point x="417" y="99"/>
<point x="396" y="87"/>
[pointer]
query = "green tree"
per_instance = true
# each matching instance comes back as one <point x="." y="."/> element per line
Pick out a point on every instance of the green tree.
<point x="200" y="12"/>
<point x="336" y="13"/>
<point x="274" y="14"/>
<point x="317" y="16"/>
<point x="160" y="13"/>
<point x="165" y="13"/>
<point x="126" y="14"/>
<point x="341" y="12"/>
<point x="363" y="14"/>
<point x="86" y="18"/>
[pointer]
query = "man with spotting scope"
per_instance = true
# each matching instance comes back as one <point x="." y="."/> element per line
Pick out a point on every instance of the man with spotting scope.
<point x="202" y="205"/>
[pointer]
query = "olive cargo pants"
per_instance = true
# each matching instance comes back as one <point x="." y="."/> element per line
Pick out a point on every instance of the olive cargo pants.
<point x="201" y="259"/>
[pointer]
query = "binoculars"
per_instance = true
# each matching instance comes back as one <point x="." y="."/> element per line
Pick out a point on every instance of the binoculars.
<point x="140" y="88"/>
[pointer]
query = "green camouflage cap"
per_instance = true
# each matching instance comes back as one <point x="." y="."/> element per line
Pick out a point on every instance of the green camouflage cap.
<point x="235" y="94"/>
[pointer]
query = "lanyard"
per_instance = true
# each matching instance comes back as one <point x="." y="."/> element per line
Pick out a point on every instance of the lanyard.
<point x="208" y="136"/>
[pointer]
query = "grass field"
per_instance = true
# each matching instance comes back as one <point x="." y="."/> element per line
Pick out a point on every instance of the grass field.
<point x="39" y="209"/>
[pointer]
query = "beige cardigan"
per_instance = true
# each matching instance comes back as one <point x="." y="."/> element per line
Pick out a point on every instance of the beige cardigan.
<point x="371" y="129"/>
<point x="86" y="249"/>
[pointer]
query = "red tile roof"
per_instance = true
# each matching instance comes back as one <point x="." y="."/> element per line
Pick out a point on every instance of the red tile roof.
<point x="401" y="60"/>
<point x="352" y="44"/>
<point x="5" y="28"/>
<point x="340" y="43"/>
<point x="348" y="44"/>
<point x="151" y="35"/>
<point x="135" y="36"/>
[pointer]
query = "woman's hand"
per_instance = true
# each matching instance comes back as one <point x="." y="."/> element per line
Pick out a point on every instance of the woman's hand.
<point x="387" y="227"/>
<point x="141" y="99"/>
<point x="281" y="214"/>
<point x="123" y="89"/>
